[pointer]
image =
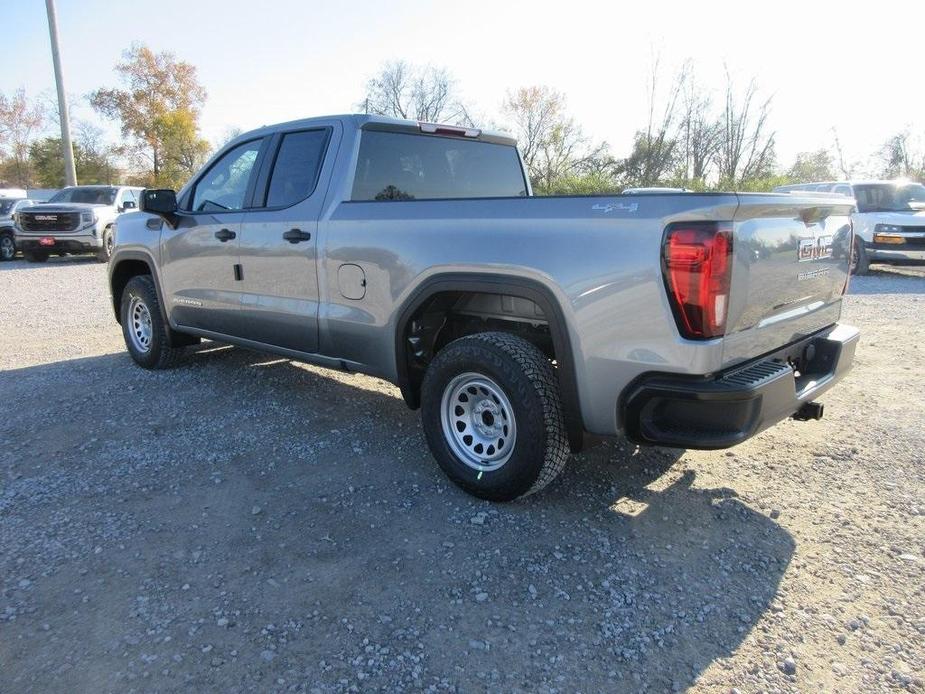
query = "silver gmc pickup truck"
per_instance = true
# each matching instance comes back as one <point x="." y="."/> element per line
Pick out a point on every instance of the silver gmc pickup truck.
<point x="77" y="219"/>
<point x="519" y="325"/>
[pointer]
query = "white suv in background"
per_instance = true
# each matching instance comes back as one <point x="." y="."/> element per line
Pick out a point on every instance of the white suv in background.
<point x="77" y="219"/>
<point x="889" y="223"/>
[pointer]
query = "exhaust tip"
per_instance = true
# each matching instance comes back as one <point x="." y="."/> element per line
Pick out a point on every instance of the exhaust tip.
<point x="808" y="411"/>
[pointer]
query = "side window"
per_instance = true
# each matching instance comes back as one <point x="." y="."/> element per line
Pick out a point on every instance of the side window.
<point x="295" y="172"/>
<point x="224" y="185"/>
<point x="128" y="195"/>
<point x="843" y="190"/>
<point x="400" y="166"/>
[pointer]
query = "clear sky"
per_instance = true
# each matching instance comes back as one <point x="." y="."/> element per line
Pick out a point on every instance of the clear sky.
<point x="858" y="67"/>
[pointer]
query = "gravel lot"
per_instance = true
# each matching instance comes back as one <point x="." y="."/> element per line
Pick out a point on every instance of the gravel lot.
<point x="245" y="523"/>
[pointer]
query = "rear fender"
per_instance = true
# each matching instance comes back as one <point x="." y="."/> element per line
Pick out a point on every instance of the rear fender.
<point x="496" y="284"/>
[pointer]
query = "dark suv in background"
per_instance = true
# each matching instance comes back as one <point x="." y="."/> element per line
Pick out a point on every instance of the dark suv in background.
<point x="9" y="207"/>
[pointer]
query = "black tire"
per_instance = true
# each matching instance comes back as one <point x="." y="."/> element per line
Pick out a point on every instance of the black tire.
<point x="528" y="381"/>
<point x="159" y="353"/>
<point x="7" y="245"/>
<point x="105" y="252"/>
<point x="35" y="256"/>
<point x="859" y="262"/>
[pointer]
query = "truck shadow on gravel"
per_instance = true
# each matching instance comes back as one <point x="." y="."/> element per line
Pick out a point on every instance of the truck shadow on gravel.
<point x="279" y="523"/>
<point x="20" y="263"/>
<point x="884" y="279"/>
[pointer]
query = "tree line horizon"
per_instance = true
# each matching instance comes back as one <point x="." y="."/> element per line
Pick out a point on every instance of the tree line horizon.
<point x="691" y="139"/>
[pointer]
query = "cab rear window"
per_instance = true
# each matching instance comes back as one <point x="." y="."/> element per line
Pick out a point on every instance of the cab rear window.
<point x="402" y="166"/>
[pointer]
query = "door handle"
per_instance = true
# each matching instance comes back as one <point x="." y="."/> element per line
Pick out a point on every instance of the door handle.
<point x="296" y="235"/>
<point x="225" y="235"/>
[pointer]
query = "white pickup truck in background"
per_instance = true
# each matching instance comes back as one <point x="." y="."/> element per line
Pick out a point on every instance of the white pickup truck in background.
<point x="889" y="223"/>
<point x="77" y="219"/>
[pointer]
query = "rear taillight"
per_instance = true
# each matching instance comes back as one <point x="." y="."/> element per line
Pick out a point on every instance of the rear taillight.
<point x="697" y="262"/>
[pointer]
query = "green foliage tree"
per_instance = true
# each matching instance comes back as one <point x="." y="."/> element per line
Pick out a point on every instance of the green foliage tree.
<point x="48" y="164"/>
<point x="159" y="112"/>
<point x="899" y="157"/>
<point x="184" y="151"/>
<point x="813" y="166"/>
<point x="651" y="160"/>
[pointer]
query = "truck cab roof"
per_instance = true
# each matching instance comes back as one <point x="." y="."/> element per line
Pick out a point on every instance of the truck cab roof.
<point x="363" y="121"/>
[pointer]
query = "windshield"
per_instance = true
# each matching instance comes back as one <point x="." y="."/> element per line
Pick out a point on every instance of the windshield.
<point x="92" y="195"/>
<point x="890" y="197"/>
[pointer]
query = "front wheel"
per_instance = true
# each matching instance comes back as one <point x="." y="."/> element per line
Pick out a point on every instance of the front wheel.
<point x="105" y="252"/>
<point x="492" y="416"/>
<point x="143" y="326"/>
<point x="860" y="263"/>
<point x="7" y="246"/>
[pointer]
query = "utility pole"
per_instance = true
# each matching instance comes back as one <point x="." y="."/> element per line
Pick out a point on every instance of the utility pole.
<point x="70" y="174"/>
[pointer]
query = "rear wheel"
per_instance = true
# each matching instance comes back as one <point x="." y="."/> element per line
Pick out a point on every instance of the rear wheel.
<point x="143" y="326"/>
<point x="492" y="416"/>
<point x="860" y="263"/>
<point x="35" y="256"/>
<point x="7" y="246"/>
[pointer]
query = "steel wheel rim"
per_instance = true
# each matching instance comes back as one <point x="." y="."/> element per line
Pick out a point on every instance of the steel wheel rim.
<point x="139" y="328"/>
<point x="7" y="247"/>
<point x="478" y="422"/>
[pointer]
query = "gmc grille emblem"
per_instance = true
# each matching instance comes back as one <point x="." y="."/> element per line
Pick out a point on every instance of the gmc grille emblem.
<point x="46" y="218"/>
<point x="814" y="248"/>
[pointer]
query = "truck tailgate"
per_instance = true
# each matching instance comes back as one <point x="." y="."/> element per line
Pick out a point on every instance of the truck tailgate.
<point x="790" y="267"/>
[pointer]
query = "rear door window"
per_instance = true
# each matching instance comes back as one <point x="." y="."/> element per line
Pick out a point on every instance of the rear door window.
<point x="298" y="162"/>
<point x="403" y="166"/>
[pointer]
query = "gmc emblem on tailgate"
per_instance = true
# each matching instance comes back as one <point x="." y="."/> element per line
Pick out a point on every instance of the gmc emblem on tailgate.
<point x="814" y="248"/>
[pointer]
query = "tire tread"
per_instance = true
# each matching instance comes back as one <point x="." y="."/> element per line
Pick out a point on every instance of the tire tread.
<point x="518" y="354"/>
<point x="167" y="356"/>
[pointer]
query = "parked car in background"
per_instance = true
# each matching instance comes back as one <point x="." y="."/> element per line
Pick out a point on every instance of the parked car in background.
<point x="77" y="219"/>
<point x="889" y="223"/>
<point x="8" y="207"/>
<point x="415" y="252"/>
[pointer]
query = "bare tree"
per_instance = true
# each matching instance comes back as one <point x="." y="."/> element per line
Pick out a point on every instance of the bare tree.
<point x="551" y="143"/>
<point x="230" y="133"/>
<point x="842" y="166"/>
<point x="91" y="145"/>
<point x="655" y="149"/>
<point x="535" y="111"/>
<point x="813" y="166"/>
<point x="21" y="120"/>
<point x="746" y="148"/>
<point x="427" y="94"/>
<point x="698" y="131"/>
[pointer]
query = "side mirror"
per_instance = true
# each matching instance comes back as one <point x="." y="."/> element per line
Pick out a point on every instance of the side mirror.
<point x="159" y="201"/>
<point x="128" y="205"/>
